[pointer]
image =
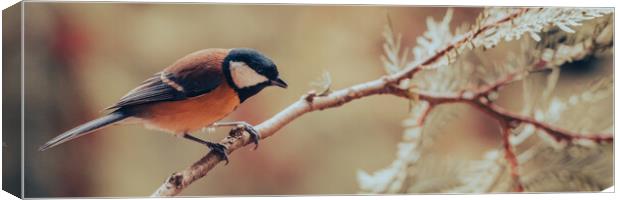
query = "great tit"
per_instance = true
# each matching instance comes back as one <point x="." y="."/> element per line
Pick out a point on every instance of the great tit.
<point x="194" y="92"/>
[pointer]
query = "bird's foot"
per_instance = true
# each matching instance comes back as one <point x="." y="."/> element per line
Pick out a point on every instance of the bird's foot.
<point x="219" y="150"/>
<point x="255" y="137"/>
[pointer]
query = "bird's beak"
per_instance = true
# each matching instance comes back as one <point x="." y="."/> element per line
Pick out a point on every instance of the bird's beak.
<point x="279" y="82"/>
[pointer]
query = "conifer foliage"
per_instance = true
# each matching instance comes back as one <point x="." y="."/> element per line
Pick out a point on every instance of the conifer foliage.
<point x="555" y="141"/>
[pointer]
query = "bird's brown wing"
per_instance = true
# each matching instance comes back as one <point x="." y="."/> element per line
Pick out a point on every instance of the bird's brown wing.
<point x="165" y="86"/>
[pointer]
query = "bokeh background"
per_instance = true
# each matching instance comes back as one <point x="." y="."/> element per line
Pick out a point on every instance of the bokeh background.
<point x="82" y="57"/>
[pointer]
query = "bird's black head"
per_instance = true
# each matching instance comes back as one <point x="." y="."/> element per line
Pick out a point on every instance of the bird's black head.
<point x="248" y="72"/>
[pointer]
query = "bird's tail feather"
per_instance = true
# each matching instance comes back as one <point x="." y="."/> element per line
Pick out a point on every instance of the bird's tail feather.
<point x="84" y="129"/>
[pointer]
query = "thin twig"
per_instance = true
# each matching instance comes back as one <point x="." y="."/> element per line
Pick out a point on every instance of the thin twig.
<point x="480" y="101"/>
<point x="511" y="157"/>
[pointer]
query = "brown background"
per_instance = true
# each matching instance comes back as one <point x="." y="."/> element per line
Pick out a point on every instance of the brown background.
<point x="80" y="58"/>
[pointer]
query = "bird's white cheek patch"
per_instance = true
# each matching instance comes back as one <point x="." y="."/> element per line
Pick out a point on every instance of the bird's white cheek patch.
<point x="244" y="76"/>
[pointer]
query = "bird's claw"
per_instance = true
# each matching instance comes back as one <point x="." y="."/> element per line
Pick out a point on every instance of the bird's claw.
<point x="255" y="137"/>
<point x="219" y="150"/>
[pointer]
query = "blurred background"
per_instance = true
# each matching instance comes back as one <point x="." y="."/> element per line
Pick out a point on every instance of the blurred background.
<point x="82" y="57"/>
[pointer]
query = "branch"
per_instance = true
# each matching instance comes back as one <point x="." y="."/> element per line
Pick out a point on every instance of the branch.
<point x="385" y="85"/>
<point x="511" y="157"/>
<point x="509" y="120"/>
<point x="237" y="139"/>
<point x="481" y="101"/>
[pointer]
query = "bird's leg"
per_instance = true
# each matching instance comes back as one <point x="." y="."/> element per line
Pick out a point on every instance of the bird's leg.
<point x="244" y="125"/>
<point x="219" y="149"/>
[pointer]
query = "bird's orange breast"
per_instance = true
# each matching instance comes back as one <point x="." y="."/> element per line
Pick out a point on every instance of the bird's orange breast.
<point x="191" y="114"/>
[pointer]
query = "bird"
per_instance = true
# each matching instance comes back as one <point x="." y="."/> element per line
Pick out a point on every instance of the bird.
<point x="194" y="92"/>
